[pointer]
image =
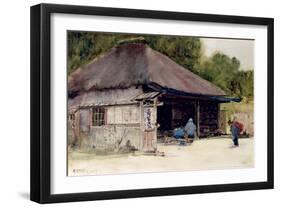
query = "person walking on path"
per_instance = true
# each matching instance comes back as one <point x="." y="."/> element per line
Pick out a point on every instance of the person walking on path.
<point x="236" y="128"/>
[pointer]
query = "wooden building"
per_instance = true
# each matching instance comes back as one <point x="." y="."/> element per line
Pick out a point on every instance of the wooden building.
<point x="117" y="100"/>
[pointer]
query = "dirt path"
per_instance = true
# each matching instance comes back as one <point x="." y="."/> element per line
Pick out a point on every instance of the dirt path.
<point x="204" y="154"/>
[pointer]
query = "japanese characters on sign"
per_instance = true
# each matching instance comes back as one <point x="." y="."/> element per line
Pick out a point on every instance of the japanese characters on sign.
<point x="149" y="118"/>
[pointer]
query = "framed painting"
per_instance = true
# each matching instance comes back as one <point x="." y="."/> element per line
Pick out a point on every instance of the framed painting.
<point x="132" y="103"/>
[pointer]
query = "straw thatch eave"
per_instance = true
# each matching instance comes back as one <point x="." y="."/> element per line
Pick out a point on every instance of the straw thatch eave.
<point x="134" y="64"/>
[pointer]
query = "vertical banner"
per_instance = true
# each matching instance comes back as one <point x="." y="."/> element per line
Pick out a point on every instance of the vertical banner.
<point x="149" y="118"/>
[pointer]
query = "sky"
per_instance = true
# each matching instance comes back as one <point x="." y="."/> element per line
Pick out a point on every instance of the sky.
<point x="241" y="49"/>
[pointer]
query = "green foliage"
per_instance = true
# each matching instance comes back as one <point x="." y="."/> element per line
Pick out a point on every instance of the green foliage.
<point x="219" y="69"/>
<point x="185" y="51"/>
<point x="242" y="84"/>
<point x="224" y="72"/>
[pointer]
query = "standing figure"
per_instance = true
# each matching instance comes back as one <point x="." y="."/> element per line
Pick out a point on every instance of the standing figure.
<point x="190" y="129"/>
<point x="235" y="128"/>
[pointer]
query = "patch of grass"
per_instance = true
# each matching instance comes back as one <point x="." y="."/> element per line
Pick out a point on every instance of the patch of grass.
<point x="243" y="106"/>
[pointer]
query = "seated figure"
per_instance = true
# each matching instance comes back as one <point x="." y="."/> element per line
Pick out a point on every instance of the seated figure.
<point x="178" y="133"/>
<point x="190" y="129"/>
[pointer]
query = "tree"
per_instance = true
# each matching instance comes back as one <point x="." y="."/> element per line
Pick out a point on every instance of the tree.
<point x="185" y="51"/>
<point x="220" y="70"/>
<point x="242" y="84"/>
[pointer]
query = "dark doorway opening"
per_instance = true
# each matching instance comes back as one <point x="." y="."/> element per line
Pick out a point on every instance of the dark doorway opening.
<point x="182" y="112"/>
<point x="164" y="117"/>
<point x="175" y="114"/>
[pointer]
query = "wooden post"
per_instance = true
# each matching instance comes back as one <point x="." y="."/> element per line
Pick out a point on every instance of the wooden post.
<point x="218" y="117"/>
<point x="198" y="118"/>
<point x="156" y="124"/>
<point x="141" y="145"/>
<point x="77" y="139"/>
<point x="90" y="119"/>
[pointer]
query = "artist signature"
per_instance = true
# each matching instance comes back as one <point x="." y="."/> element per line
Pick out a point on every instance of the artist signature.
<point x="75" y="171"/>
<point x="83" y="171"/>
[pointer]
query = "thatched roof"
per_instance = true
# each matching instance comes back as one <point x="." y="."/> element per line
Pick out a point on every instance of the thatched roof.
<point x="132" y="64"/>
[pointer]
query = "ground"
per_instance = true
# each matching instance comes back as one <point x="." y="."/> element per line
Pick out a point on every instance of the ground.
<point x="203" y="154"/>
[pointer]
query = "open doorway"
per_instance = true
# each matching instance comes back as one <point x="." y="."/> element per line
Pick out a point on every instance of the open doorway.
<point x="182" y="112"/>
<point x="171" y="115"/>
<point x="164" y="117"/>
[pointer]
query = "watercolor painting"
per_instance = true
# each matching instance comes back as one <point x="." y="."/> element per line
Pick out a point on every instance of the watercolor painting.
<point x="140" y="103"/>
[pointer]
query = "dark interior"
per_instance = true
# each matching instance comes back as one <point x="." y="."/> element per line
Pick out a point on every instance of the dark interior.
<point x="172" y="115"/>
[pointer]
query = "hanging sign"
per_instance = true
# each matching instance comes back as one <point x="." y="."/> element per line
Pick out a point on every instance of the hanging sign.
<point x="149" y="118"/>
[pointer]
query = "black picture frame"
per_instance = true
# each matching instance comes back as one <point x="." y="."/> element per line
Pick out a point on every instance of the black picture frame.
<point x="41" y="99"/>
